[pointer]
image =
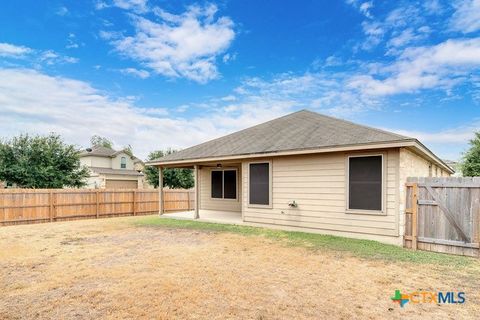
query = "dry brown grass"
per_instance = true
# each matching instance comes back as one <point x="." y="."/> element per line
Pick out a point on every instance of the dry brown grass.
<point x="111" y="269"/>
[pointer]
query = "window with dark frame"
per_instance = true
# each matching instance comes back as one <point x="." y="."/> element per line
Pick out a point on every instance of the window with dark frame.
<point x="365" y="183"/>
<point x="259" y="179"/>
<point x="224" y="184"/>
<point x="229" y="184"/>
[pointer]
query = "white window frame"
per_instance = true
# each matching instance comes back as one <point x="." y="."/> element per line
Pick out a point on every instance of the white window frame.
<point x="383" y="210"/>
<point x="223" y="186"/>
<point x="270" y="185"/>
<point x="121" y="160"/>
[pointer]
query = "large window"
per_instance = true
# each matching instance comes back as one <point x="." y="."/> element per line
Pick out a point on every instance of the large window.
<point x="224" y="184"/>
<point x="365" y="182"/>
<point x="259" y="183"/>
<point x="123" y="163"/>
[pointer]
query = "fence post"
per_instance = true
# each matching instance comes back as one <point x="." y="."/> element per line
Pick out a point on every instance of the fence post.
<point x="161" y="193"/>
<point x="52" y="208"/>
<point x="134" y="202"/>
<point x="97" y="205"/>
<point x="414" y="215"/>
<point x="188" y="200"/>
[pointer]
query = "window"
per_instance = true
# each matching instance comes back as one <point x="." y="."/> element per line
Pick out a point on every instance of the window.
<point x="365" y="182"/>
<point x="259" y="179"/>
<point x="224" y="184"/>
<point x="123" y="163"/>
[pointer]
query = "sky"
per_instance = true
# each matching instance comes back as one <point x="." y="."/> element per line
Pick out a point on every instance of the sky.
<point x="171" y="74"/>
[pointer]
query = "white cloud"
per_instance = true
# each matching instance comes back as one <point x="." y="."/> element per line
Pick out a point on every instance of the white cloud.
<point x="229" y="98"/>
<point x="322" y="91"/>
<point x="433" y="6"/>
<point x="143" y="74"/>
<point x="34" y="102"/>
<point x="448" y="143"/>
<point x="185" y="45"/>
<point x="35" y="57"/>
<point x="229" y="57"/>
<point x="72" y="45"/>
<point x="405" y="37"/>
<point x="10" y="50"/>
<point x="182" y="108"/>
<point x="439" y="67"/>
<point x="135" y="5"/>
<point x="138" y="6"/>
<point x="71" y="42"/>
<point x="99" y="5"/>
<point x="365" y="8"/>
<point x="374" y="32"/>
<point x="62" y="11"/>
<point x="51" y="57"/>
<point x="466" y="18"/>
<point x="450" y="136"/>
<point x="398" y="27"/>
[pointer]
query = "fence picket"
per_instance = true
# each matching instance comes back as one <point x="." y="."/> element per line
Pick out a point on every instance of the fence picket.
<point x="49" y="205"/>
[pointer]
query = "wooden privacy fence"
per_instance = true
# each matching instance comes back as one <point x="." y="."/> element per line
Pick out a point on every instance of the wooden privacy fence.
<point x="19" y="206"/>
<point x="178" y="200"/>
<point x="443" y="215"/>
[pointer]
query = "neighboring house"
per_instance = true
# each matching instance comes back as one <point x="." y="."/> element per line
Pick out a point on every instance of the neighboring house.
<point x="310" y="172"/>
<point x="112" y="169"/>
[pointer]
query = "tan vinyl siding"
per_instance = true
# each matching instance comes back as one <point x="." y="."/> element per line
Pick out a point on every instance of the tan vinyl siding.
<point x="101" y="162"/>
<point x="206" y="201"/>
<point x="317" y="183"/>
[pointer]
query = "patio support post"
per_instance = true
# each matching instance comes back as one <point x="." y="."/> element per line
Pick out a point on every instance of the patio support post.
<point x="197" y="193"/>
<point x="160" y="191"/>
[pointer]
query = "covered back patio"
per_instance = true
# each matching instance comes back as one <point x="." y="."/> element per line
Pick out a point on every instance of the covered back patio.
<point x="217" y="192"/>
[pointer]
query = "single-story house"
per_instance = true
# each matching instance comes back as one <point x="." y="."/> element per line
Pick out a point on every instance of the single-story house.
<point x="111" y="169"/>
<point x="309" y="172"/>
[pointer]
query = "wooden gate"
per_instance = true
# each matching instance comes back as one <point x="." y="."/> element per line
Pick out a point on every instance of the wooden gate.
<point x="443" y="215"/>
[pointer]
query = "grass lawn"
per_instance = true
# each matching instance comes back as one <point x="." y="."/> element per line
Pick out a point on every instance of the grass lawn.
<point x="153" y="268"/>
<point x="360" y="248"/>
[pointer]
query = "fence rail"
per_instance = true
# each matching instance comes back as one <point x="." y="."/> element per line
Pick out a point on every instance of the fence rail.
<point x="20" y="206"/>
<point x="443" y="215"/>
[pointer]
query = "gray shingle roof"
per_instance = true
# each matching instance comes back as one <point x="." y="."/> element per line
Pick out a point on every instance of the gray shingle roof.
<point x="100" y="151"/>
<point x="122" y="172"/>
<point x="296" y="131"/>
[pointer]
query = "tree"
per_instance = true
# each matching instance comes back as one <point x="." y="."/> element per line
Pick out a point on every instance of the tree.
<point x="471" y="159"/>
<point x="41" y="162"/>
<point x="128" y="150"/>
<point x="98" y="141"/>
<point x="172" y="178"/>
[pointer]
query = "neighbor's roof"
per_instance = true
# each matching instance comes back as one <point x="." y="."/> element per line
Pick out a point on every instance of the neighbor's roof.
<point x="122" y="172"/>
<point x="100" y="151"/>
<point x="302" y="130"/>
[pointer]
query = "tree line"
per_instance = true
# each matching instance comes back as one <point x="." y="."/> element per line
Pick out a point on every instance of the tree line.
<point x="36" y="161"/>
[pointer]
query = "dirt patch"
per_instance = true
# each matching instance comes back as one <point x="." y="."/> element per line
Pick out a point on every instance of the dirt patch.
<point x="109" y="269"/>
